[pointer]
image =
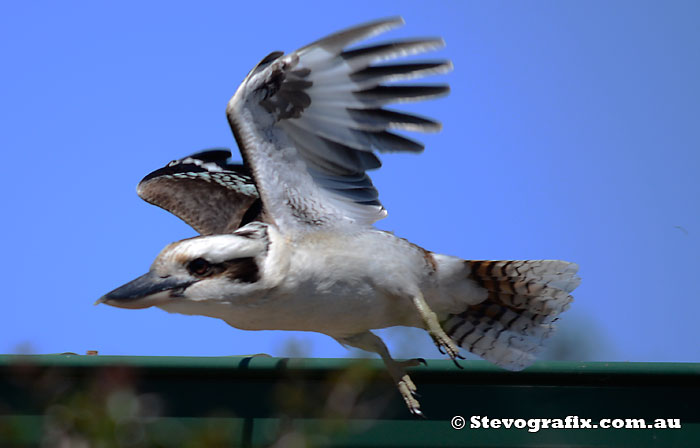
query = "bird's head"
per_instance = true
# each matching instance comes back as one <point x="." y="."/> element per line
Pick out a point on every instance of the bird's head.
<point x="200" y="268"/>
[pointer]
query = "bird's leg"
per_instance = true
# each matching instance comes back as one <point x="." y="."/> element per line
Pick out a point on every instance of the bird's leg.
<point x="370" y="342"/>
<point x="442" y="341"/>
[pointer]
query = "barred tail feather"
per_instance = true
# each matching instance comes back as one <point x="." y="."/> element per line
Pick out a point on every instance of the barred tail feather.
<point x="523" y="300"/>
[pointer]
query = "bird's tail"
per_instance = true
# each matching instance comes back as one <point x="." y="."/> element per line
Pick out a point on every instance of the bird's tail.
<point x="523" y="300"/>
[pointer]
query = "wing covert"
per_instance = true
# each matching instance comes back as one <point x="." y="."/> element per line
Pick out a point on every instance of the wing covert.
<point x="204" y="190"/>
<point x="308" y="124"/>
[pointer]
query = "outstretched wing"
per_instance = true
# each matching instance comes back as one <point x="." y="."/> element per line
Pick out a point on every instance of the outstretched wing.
<point x="204" y="190"/>
<point x="308" y="123"/>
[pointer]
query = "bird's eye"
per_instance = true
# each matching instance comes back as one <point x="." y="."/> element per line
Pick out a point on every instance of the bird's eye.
<point x="199" y="267"/>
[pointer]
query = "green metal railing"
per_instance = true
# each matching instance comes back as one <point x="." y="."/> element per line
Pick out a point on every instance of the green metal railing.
<point x="258" y="401"/>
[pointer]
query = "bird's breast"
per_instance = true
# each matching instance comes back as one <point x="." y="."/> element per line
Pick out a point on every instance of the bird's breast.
<point x="339" y="286"/>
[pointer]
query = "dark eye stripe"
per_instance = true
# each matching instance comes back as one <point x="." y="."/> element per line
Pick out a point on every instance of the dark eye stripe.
<point x="244" y="270"/>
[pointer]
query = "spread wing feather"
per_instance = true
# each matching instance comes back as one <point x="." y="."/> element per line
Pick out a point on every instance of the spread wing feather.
<point x="204" y="190"/>
<point x="308" y="124"/>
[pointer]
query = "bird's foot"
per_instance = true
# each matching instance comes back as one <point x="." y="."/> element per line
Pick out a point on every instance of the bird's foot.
<point x="443" y="342"/>
<point x="408" y="391"/>
<point x="447" y="346"/>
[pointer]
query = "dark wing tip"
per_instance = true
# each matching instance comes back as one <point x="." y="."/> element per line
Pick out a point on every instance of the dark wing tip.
<point x="214" y="159"/>
<point x="337" y="41"/>
<point x="212" y="155"/>
<point x="381" y="95"/>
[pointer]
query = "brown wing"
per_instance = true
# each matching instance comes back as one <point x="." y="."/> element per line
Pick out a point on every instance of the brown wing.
<point x="204" y="190"/>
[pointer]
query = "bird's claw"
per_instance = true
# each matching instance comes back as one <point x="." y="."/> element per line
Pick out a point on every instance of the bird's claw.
<point x="413" y="362"/>
<point x="418" y="413"/>
<point x="446" y="346"/>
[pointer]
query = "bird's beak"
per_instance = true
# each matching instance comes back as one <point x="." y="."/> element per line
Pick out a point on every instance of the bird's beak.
<point x="148" y="290"/>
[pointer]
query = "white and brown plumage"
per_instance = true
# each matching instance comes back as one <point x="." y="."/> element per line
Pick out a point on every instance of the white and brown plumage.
<point x="287" y="239"/>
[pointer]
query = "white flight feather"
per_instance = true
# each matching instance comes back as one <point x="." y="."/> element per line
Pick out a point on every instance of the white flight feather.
<point x="293" y="157"/>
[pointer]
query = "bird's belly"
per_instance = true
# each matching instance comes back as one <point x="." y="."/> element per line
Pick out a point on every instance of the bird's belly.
<point x="337" y="307"/>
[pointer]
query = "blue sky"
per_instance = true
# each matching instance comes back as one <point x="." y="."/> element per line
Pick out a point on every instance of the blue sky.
<point x="572" y="132"/>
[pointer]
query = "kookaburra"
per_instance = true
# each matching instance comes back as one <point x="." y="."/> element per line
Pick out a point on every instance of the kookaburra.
<point x="287" y="241"/>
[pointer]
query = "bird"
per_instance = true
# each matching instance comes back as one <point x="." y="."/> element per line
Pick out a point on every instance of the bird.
<point x="287" y="238"/>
